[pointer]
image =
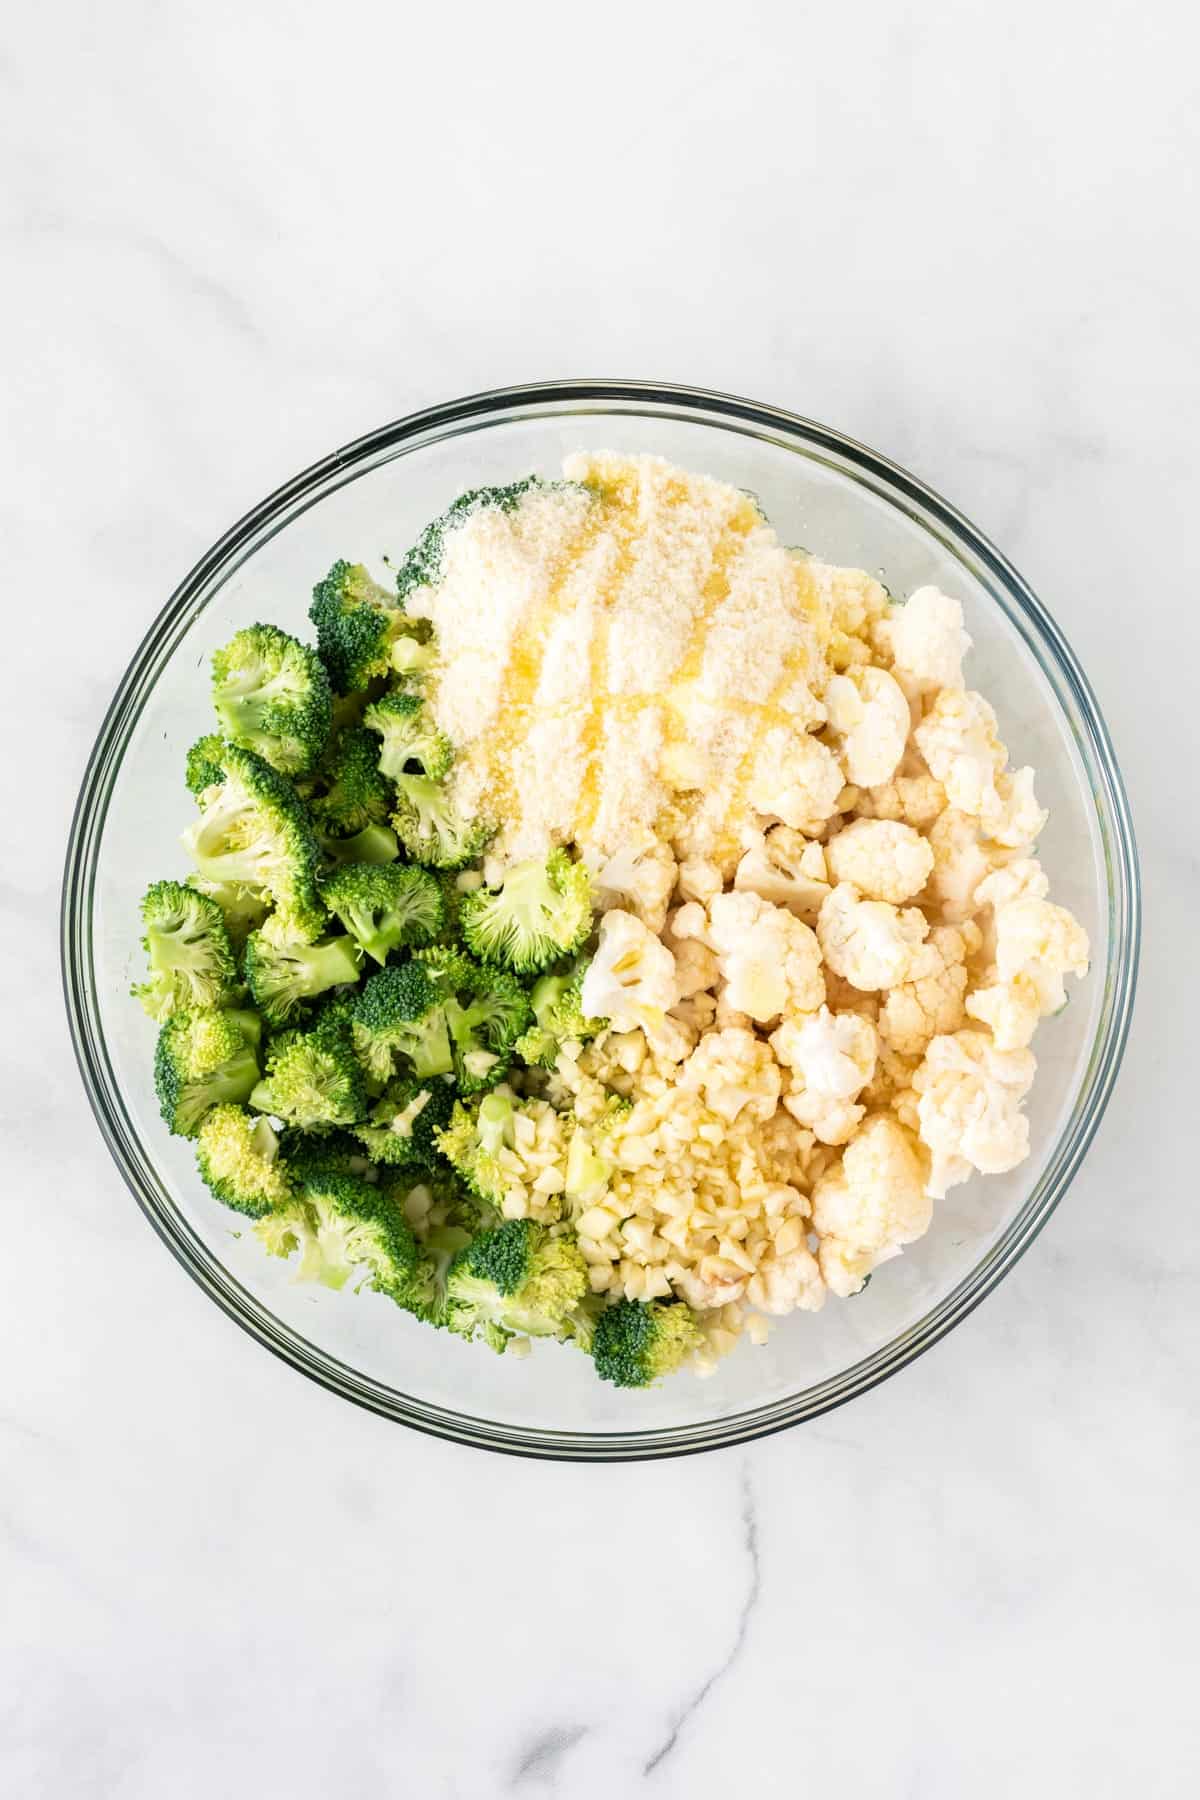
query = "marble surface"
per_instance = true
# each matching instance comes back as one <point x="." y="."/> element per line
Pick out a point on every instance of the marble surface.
<point x="235" y="236"/>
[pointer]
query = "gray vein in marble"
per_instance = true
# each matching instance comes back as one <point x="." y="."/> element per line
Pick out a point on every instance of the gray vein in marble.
<point x="753" y="1590"/>
<point x="541" y="1761"/>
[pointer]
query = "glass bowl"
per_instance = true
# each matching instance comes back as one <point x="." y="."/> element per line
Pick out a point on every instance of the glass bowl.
<point x="369" y="500"/>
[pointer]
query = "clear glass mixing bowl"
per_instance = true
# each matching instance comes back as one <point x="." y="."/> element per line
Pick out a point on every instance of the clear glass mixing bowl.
<point x="370" y="499"/>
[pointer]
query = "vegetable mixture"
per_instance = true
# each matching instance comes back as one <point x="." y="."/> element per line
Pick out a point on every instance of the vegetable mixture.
<point x="620" y="928"/>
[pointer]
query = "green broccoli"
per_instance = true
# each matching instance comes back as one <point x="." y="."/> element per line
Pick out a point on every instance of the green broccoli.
<point x="486" y="1013"/>
<point x="405" y="1121"/>
<point x="254" y="831"/>
<point x="473" y="1141"/>
<point x="272" y="696"/>
<point x="542" y="912"/>
<point x="431" y="828"/>
<point x="239" y="1161"/>
<point x="519" y="1277"/>
<point x="349" y="792"/>
<point x="399" y="1013"/>
<point x="337" y="1150"/>
<point x="375" y="844"/>
<point x="204" y="1057"/>
<point x="411" y="743"/>
<point x="637" y="1341"/>
<point x="427" y="1298"/>
<point x="242" y="908"/>
<point x="205" y="764"/>
<point x="191" y="957"/>
<point x="362" y="631"/>
<point x="385" y="908"/>
<point x="356" y="1226"/>
<point x="313" y="1079"/>
<point x="558" y="1017"/>
<point x="283" y="975"/>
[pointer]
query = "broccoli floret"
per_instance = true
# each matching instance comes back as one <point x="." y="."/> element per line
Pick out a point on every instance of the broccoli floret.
<point x="242" y="908"/>
<point x="205" y="763"/>
<point x="486" y="1013"/>
<point x="205" y="1057"/>
<point x="473" y="1140"/>
<point x="636" y="1341"/>
<point x="375" y="844"/>
<point x="517" y="1278"/>
<point x="362" y="631"/>
<point x="542" y="912"/>
<point x="431" y="828"/>
<point x="349" y="792"/>
<point x="405" y="1121"/>
<point x="254" y="831"/>
<point x="357" y="1227"/>
<point x="398" y="1013"/>
<point x="187" y="943"/>
<point x="558" y="1016"/>
<point x="272" y="696"/>
<point x="238" y="1158"/>
<point x="385" y="908"/>
<point x="283" y="975"/>
<point x="411" y="742"/>
<point x="427" y="1297"/>
<point x="313" y="1079"/>
<point x="337" y="1150"/>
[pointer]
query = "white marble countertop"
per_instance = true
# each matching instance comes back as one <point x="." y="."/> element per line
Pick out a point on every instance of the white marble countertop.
<point x="234" y="236"/>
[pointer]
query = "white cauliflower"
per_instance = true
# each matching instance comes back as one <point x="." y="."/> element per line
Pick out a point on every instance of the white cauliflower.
<point x="831" y="1057"/>
<point x="769" y="960"/>
<point x="787" y="869"/>
<point x="640" y="877"/>
<point x="733" y="1069"/>
<point x="927" y="640"/>
<point x="961" y="860"/>
<point x="631" y="979"/>
<point x="868" y="942"/>
<point x="930" y="1002"/>
<point x="795" y="779"/>
<point x="882" y="859"/>
<point x="968" y="1105"/>
<point x="909" y="799"/>
<point x="699" y="879"/>
<point x="1035" y="944"/>
<point x="869" y="714"/>
<point x="788" y="1283"/>
<point x="957" y="737"/>
<point x="869" y="1205"/>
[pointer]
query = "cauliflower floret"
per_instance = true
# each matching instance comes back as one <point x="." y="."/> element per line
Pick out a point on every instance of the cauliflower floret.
<point x="789" y="1283"/>
<point x="909" y="799"/>
<point x="969" y="1100"/>
<point x="1036" y="944"/>
<point x="631" y="979"/>
<point x="769" y="960"/>
<point x="640" y="877"/>
<point x="930" y="1002"/>
<point x="868" y="942"/>
<point x="961" y="860"/>
<point x="883" y="860"/>
<point x="796" y="779"/>
<point x="732" y="1069"/>
<point x="699" y="879"/>
<point x="696" y="967"/>
<point x="957" y="737"/>
<point x="869" y="713"/>
<point x="927" y="640"/>
<point x="850" y="599"/>
<point x="787" y="869"/>
<point x="870" y="1204"/>
<point x="831" y="1057"/>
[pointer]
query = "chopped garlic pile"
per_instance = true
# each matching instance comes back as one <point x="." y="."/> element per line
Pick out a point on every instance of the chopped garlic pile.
<point x="825" y="941"/>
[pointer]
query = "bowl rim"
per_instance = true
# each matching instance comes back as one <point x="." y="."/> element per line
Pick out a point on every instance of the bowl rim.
<point x="138" y="1173"/>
